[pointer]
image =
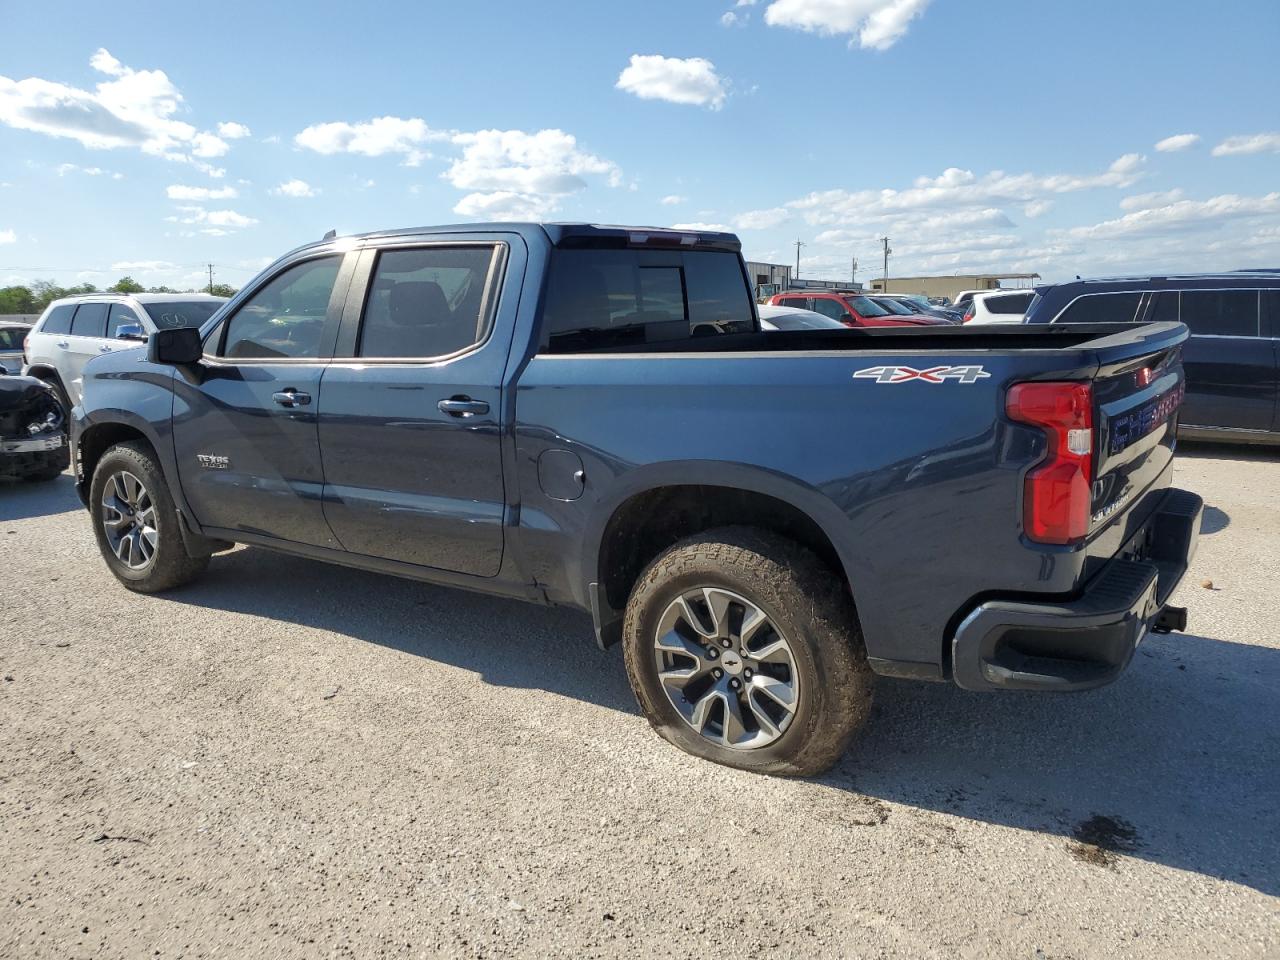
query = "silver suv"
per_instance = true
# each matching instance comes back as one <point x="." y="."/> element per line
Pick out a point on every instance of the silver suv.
<point x="73" y="331"/>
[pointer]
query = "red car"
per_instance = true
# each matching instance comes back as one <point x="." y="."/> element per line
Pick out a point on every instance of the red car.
<point x="851" y="309"/>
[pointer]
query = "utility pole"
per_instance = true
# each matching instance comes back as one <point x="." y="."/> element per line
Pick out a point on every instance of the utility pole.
<point x="887" y="251"/>
<point x="853" y="271"/>
<point x="211" y="278"/>
<point x="799" y="244"/>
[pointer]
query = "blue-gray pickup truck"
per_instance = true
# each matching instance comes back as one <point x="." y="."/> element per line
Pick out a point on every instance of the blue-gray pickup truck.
<point x="592" y="416"/>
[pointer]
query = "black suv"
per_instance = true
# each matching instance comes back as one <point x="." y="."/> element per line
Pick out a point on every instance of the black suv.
<point x="1232" y="359"/>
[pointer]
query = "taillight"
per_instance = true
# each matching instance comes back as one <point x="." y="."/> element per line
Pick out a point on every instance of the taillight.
<point x="1057" y="494"/>
<point x="968" y="315"/>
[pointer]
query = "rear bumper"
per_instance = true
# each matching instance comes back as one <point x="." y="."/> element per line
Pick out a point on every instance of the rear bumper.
<point x="1062" y="645"/>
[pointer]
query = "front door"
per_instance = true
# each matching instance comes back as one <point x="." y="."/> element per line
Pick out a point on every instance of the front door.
<point x="410" y="421"/>
<point x="245" y="421"/>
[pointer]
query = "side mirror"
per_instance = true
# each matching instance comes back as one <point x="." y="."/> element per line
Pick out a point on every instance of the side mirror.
<point x="176" y="347"/>
<point x="847" y="319"/>
<point x="131" y="331"/>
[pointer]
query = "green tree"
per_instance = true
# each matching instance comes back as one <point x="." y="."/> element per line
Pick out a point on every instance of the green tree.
<point x="222" y="290"/>
<point x="17" y="300"/>
<point x="127" y="285"/>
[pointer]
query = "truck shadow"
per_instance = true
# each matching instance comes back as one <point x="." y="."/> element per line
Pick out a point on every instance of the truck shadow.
<point x="25" y="501"/>
<point x="1181" y="750"/>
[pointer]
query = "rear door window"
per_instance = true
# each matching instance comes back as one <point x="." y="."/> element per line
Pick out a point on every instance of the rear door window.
<point x="1102" y="308"/>
<point x="1164" y="307"/>
<point x="1270" y="318"/>
<point x="1222" y="313"/>
<point x="426" y="302"/>
<point x="599" y="299"/>
<point x="59" y="319"/>
<point x="90" y="320"/>
<point x="829" y="308"/>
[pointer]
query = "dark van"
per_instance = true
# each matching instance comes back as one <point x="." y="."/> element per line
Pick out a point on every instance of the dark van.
<point x="1232" y="360"/>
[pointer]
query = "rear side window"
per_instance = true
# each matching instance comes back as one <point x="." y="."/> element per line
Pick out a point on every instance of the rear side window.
<point x="1270" y="313"/>
<point x="802" y="303"/>
<point x="1102" y="308"/>
<point x="1013" y="303"/>
<point x="600" y="299"/>
<point x="59" y="319"/>
<point x="90" y="320"/>
<point x="284" y="319"/>
<point x="428" y="302"/>
<point x="1223" y="313"/>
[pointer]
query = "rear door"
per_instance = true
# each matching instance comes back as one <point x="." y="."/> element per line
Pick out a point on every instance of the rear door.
<point x="1270" y="310"/>
<point x="88" y="338"/>
<point x="1231" y="369"/>
<point x="411" y="407"/>
<point x="245" y="427"/>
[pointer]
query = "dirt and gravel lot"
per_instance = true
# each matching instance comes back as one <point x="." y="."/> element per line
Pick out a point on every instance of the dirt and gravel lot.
<point x="289" y="759"/>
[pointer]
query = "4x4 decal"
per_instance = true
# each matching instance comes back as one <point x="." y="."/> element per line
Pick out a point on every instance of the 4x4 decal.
<point x="969" y="374"/>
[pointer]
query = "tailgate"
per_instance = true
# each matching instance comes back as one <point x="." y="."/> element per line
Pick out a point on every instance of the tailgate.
<point x="1138" y="389"/>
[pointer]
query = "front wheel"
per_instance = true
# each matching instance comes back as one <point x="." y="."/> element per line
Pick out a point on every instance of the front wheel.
<point x="136" y="523"/>
<point x="743" y="648"/>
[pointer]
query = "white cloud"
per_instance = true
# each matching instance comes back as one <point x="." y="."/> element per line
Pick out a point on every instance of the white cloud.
<point x="1037" y="208"/>
<point x="147" y="266"/>
<point x="960" y="188"/>
<point x="212" y="219"/>
<point x="731" y="19"/>
<point x="672" y="200"/>
<point x="373" y="138"/>
<point x="1180" y="216"/>
<point x="709" y="227"/>
<point x="1179" y="141"/>
<point x="177" y="191"/>
<point x="8" y="236"/>
<point x="295" y="188"/>
<point x="505" y="205"/>
<point x="693" y="81"/>
<point x="762" y="219"/>
<point x="136" y="108"/>
<point x="1145" y="201"/>
<point x="64" y="168"/>
<point x="873" y="24"/>
<point x="1248" y="143"/>
<point x="519" y="175"/>
<point x="230" y="130"/>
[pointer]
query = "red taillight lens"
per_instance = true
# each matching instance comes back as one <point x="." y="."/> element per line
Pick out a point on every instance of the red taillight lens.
<point x="1057" y="494"/>
<point x="968" y="315"/>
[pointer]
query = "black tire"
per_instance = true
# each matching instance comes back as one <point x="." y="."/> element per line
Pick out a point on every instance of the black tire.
<point x="64" y="398"/>
<point x="170" y="566"/>
<point x="808" y="604"/>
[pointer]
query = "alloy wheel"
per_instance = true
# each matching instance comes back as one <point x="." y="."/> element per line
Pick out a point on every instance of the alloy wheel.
<point x="129" y="520"/>
<point x="726" y="668"/>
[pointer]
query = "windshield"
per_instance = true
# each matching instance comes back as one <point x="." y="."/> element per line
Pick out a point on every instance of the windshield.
<point x="893" y="306"/>
<point x="867" y="307"/>
<point x="181" y="313"/>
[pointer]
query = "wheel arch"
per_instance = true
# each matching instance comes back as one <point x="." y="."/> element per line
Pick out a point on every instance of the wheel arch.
<point x="663" y="504"/>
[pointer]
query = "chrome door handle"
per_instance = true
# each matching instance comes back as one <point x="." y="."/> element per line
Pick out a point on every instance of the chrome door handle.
<point x="63" y="344"/>
<point x="462" y="407"/>
<point x="291" y="398"/>
<point x="105" y="348"/>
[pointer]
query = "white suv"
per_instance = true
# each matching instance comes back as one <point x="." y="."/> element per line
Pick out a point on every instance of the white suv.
<point x="72" y="331"/>
<point x="998" y="306"/>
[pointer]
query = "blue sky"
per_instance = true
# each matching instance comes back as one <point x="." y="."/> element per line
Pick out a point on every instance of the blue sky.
<point x="1000" y="135"/>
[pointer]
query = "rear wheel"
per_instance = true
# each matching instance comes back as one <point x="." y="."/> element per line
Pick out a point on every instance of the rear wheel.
<point x="743" y="648"/>
<point x="136" y="523"/>
<point x="55" y="381"/>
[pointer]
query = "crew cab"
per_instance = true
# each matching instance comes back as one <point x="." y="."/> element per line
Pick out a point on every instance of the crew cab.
<point x="592" y="417"/>
<point x="852" y="309"/>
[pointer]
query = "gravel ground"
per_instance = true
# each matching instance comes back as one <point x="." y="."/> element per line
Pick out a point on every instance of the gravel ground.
<point x="289" y="759"/>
